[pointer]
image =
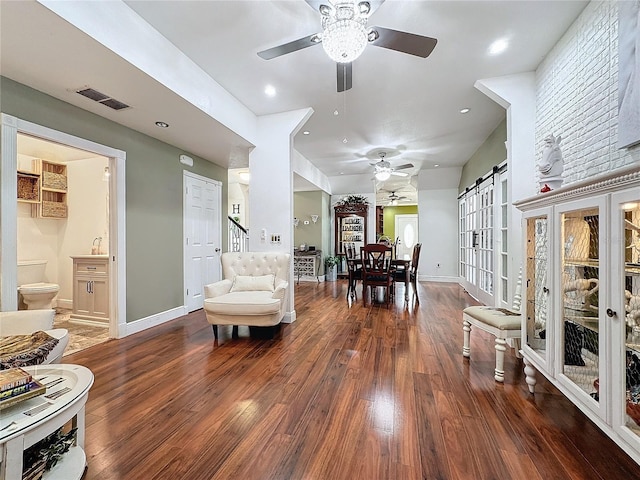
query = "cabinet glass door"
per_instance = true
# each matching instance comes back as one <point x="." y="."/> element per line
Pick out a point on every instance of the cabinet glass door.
<point x="626" y="223"/>
<point x="579" y="287"/>
<point x="537" y="258"/>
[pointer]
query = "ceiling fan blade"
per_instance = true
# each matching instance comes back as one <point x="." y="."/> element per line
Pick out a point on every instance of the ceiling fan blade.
<point x="315" y="4"/>
<point x="404" y="42"/>
<point x="402" y="167"/>
<point x="290" y="47"/>
<point x="400" y="174"/>
<point x="345" y="79"/>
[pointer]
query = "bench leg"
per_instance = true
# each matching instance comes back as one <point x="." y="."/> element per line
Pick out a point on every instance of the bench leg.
<point x="466" y="327"/>
<point x="501" y="347"/>
<point x="215" y="331"/>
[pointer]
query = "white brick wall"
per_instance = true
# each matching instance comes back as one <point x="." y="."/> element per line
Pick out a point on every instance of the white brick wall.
<point x="577" y="95"/>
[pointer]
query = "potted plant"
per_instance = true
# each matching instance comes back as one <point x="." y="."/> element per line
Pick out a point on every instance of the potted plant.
<point x="331" y="268"/>
<point x="352" y="200"/>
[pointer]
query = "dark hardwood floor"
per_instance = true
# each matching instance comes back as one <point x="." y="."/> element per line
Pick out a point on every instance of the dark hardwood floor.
<point x="346" y="392"/>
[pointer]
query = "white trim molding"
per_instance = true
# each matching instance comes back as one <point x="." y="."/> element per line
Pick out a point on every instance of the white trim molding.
<point x="153" y="320"/>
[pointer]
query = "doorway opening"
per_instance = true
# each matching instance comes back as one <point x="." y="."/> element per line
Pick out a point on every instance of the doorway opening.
<point x="71" y="223"/>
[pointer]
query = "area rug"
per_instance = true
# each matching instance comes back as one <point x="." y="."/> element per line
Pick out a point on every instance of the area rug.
<point x="81" y="337"/>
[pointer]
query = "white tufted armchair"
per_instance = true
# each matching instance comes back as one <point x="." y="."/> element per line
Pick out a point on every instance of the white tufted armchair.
<point x="253" y="292"/>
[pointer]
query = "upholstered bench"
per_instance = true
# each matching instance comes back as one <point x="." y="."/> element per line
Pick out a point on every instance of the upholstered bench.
<point x="502" y="323"/>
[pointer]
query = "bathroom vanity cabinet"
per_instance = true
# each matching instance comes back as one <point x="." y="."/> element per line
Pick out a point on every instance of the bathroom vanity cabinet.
<point x="91" y="289"/>
<point x="581" y="327"/>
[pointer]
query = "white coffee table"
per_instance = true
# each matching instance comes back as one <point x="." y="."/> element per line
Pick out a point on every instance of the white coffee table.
<point x="18" y="431"/>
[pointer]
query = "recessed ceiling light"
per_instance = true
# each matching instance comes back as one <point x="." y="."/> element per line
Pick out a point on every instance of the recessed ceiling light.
<point x="306" y="132"/>
<point x="499" y="46"/>
<point x="162" y="124"/>
<point x="270" y="91"/>
<point x="336" y="113"/>
<point x="465" y="110"/>
<point x="341" y="173"/>
<point x="436" y="165"/>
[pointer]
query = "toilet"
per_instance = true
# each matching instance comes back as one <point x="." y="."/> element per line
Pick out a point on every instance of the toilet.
<point x="33" y="292"/>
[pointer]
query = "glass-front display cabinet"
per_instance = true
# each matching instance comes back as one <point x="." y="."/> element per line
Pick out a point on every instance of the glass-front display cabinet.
<point x="582" y="255"/>
<point x="537" y="291"/>
<point x="581" y="330"/>
<point x="350" y="232"/>
<point x="625" y="248"/>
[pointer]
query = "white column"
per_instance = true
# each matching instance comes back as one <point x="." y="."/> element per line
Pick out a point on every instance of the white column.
<point x="517" y="94"/>
<point x="8" y="216"/>
<point x="271" y="187"/>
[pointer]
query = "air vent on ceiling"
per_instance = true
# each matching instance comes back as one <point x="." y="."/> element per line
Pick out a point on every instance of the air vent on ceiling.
<point x="102" y="98"/>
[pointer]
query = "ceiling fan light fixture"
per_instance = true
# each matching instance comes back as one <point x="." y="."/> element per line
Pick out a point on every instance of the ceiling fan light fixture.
<point x="364" y="8"/>
<point x="382" y="175"/>
<point x="344" y="40"/>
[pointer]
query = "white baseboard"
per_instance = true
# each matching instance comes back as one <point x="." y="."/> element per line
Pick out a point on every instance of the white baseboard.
<point x="93" y="323"/>
<point x="319" y="278"/>
<point x="289" y="317"/>
<point x="154" y="320"/>
<point x="64" y="303"/>
<point x="429" y="278"/>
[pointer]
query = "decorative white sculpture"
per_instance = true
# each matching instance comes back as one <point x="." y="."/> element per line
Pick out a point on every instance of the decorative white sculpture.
<point x="551" y="165"/>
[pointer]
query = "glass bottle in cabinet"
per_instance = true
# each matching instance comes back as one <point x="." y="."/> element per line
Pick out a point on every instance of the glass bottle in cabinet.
<point x="537" y="257"/>
<point x="580" y="300"/>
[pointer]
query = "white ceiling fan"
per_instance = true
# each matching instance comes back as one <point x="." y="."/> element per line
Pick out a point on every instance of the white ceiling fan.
<point x="383" y="169"/>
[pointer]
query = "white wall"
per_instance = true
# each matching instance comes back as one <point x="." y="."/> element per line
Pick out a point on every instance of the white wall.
<point x="577" y="95"/>
<point x="88" y="218"/>
<point x="37" y="237"/>
<point x="438" y="233"/>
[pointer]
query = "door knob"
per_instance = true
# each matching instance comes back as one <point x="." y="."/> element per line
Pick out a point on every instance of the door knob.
<point x="217" y="250"/>
<point x="611" y="313"/>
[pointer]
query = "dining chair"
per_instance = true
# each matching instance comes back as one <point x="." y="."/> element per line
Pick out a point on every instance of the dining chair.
<point x="376" y="270"/>
<point x="354" y="270"/>
<point x="400" y="274"/>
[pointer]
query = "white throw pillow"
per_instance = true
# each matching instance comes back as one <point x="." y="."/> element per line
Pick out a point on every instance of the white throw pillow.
<point x="253" y="283"/>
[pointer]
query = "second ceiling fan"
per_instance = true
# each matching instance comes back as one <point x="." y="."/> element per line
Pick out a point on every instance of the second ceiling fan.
<point x="383" y="169"/>
<point x="345" y="35"/>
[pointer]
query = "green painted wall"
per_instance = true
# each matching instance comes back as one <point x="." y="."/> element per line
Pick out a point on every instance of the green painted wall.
<point x="492" y="152"/>
<point x="389" y="218"/>
<point x="154" y="197"/>
<point x="306" y="204"/>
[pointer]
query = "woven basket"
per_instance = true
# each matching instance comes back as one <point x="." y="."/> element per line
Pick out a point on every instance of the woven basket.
<point x="54" y="180"/>
<point x="54" y="209"/>
<point x="27" y="188"/>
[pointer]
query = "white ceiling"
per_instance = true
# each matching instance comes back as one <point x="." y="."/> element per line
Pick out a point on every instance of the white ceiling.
<point x="404" y="105"/>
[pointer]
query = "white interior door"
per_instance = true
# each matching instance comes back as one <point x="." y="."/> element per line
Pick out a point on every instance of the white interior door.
<point x="407" y="233"/>
<point x="203" y="236"/>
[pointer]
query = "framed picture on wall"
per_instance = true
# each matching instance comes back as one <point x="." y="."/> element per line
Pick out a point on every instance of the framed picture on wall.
<point x="628" y="73"/>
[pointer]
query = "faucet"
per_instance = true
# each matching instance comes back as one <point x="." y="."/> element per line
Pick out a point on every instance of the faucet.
<point x="95" y="249"/>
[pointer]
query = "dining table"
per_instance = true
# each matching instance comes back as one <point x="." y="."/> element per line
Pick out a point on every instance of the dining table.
<point x="397" y="264"/>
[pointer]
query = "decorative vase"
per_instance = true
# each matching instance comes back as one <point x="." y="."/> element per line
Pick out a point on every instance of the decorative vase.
<point x="331" y="273"/>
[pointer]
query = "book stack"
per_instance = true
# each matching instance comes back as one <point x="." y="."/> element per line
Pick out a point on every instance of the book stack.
<point x="17" y="385"/>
